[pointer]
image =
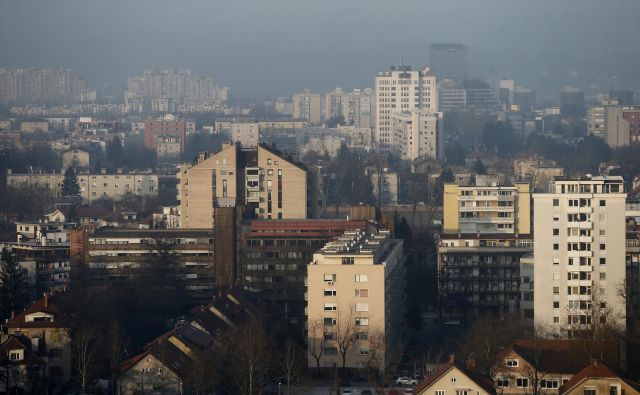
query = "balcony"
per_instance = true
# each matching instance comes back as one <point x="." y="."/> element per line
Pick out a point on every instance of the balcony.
<point x="488" y="220"/>
<point x="489" y="209"/>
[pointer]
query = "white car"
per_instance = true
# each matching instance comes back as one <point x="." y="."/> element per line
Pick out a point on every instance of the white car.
<point x="406" y="381"/>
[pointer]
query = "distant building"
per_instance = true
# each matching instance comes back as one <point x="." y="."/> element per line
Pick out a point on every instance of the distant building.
<point x="356" y="289"/>
<point x="245" y="133"/>
<point x="450" y="61"/>
<point x="572" y="102"/>
<point x="157" y="130"/>
<point x="307" y="106"/>
<point x="225" y="124"/>
<point x="92" y="186"/>
<point x="401" y="89"/>
<point x="34" y="126"/>
<point x="385" y="188"/>
<point x="624" y="98"/>
<point x="418" y="133"/>
<point x="579" y="251"/>
<point x="42" y="86"/>
<point x="617" y="125"/>
<point x="356" y="107"/>
<point x="75" y="158"/>
<point x="474" y="95"/>
<point x="176" y="85"/>
<point x="524" y="98"/>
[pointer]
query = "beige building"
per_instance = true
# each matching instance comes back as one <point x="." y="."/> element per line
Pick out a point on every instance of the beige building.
<point x="226" y="124"/>
<point x="455" y="377"/>
<point x="245" y="133"/>
<point x="76" y="158"/>
<point x="307" y="105"/>
<point x="579" y="254"/>
<point x="487" y="209"/>
<point x="418" y="133"/>
<point x="538" y="171"/>
<point x="355" y="299"/>
<point x="616" y="124"/>
<point x="356" y="107"/>
<point x="92" y="186"/>
<point x="274" y="186"/>
<point x="33" y="126"/>
<point x="597" y="378"/>
<point x="401" y="89"/>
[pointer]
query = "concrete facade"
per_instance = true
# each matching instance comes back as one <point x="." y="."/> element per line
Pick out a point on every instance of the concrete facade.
<point x="418" y="133"/>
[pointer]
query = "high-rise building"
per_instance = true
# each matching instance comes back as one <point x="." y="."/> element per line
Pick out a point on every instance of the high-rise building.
<point x="247" y="133"/>
<point x="354" y="107"/>
<point x="572" y="102"/>
<point x="355" y="297"/>
<point x="524" y="98"/>
<point x="460" y="95"/>
<point x="402" y="89"/>
<point x="42" y="86"/>
<point x="450" y="61"/>
<point x="616" y="124"/>
<point x="157" y="132"/>
<point x="487" y="209"/>
<point x="579" y="254"/>
<point x="176" y="84"/>
<point x="306" y="105"/>
<point x="417" y="134"/>
<point x="268" y="183"/>
<point x="333" y="102"/>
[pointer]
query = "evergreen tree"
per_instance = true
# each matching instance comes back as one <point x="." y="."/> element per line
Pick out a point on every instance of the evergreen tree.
<point x="12" y="285"/>
<point x="70" y="185"/>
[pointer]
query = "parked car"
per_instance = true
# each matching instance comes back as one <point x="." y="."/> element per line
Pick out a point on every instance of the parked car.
<point x="347" y="391"/>
<point x="406" y="381"/>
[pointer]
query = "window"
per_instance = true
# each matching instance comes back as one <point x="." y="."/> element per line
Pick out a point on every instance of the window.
<point x="556" y="305"/>
<point x="330" y="307"/>
<point x="330" y="321"/>
<point x="362" y="278"/>
<point x="462" y="392"/>
<point x="330" y="351"/>
<point x="603" y="203"/>
<point x="14" y="356"/>
<point x="439" y="392"/>
<point x="329" y="292"/>
<point x="362" y="293"/>
<point x="549" y="383"/>
<point x="511" y="363"/>
<point x="502" y="383"/>
<point x="329" y="278"/>
<point x="556" y="246"/>
<point x="589" y="391"/>
<point x="556" y="232"/>
<point x="603" y="261"/>
<point x="364" y="351"/>
<point x="522" y="382"/>
<point x="556" y="202"/>
<point x="348" y="260"/>
<point x="362" y="307"/>
<point x="556" y="290"/>
<point x="362" y="321"/>
<point x="613" y="390"/>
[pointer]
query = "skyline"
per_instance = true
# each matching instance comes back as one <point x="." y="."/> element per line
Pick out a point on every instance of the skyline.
<point x="336" y="44"/>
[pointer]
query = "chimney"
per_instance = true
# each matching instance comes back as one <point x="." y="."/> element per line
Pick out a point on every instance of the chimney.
<point x="452" y="358"/>
<point x="13" y="314"/>
<point x="470" y="364"/>
<point x="595" y="362"/>
<point x="46" y="300"/>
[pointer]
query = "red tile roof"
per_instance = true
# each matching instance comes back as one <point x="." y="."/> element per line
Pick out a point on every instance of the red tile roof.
<point x="481" y="380"/>
<point x="595" y="369"/>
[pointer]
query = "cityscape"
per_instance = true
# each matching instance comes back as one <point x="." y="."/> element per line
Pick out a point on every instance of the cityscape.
<point x="426" y="198"/>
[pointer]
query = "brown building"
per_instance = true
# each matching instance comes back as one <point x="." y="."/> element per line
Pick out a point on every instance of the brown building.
<point x="275" y="255"/>
<point x="158" y="130"/>
<point x="23" y="363"/>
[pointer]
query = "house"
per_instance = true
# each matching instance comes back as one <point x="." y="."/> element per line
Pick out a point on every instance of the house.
<point x="22" y="365"/>
<point x="44" y="324"/>
<point x="456" y="377"/>
<point x="172" y="364"/>
<point x="597" y="378"/>
<point x="540" y="366"/>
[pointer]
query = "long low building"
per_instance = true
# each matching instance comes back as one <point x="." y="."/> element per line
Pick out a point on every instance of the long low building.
<point x="92" y="186"/>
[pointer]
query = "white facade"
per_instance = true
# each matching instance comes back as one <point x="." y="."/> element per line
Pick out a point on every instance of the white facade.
<point x="418" y="133"/>
<point x="306" y="105"/>
<point x="579" y="254"/>
<point x="398" y="90"/>
<point x="245" y="133"/>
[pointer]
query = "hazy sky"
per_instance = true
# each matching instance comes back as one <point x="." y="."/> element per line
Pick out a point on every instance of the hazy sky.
<point x="261" y="47"/>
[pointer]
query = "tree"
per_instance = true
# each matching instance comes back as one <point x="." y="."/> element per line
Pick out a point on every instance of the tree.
<point x="479" y="167"/>
<point x="12" y="285"/>
<point x="292" y="362"/>
<point x="316" y="341"/>
<point x="70" y="185"/>
<point x="85" y="348"/>
<point x="345" y="335"/>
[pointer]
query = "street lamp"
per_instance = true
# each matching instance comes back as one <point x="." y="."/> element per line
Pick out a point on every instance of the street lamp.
<point x="279" y="383"/>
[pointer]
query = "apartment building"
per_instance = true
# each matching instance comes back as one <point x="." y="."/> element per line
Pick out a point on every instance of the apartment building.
<point x="42" y="86"/>
<point x="461" y="95"/>
<point x="108" y="254"/>
<point x="164" y="127"/>
<point x="274" y="255"/>
<point x="579" y="254"/>
<point x="268" y="183"/>
<point x="355" y="291"/>
<point x="385" y="186"/>
<point x="450" y="61"/>
<point x="417" y="134"/>
<point x="479" y="274"/>
<point x="223" y="124"/>
<point x="401" y="89"/>
<point x="307" y="105"/>
<point x="617" y="125"/>
<point x="75" y="158"/>
<point x="354" y="107"/>
<point x="246" y="133"/>
<point x="487" y="209"/>
<point x="92" y="186"/>
<point x="176" y="84"/>
<point x="34" y="126"/>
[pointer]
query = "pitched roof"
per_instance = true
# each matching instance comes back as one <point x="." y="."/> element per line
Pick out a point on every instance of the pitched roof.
<point x="481" y="380"/>
<point x="595" y="369"/>
<point x="47" y="304"/>
<point x="18" y="342"/>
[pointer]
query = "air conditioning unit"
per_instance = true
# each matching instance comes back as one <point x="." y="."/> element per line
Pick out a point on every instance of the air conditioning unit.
<point x="329" y="282"/>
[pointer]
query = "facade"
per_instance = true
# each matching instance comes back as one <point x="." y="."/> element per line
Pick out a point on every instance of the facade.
<point x="110" y="254"/>
<point x="44" y="323"/>
<point x="92" y="186"/>
<point x="22" y="364"/>
<point x="597" y="378"/>
<point x="41" y="86"/>
<point x="270" y="184"/>
<point x="472" y="95"/>
<point x="489" y="209"/>
<point x="450" y="61"/>
<point x="245" y="133"/>
<point x="579" y="252"/>
<point x="307" y="106"/>
<point x="418" y="133"/>
<point x="572" y="102"/>
<point x="76" y="158"/>
<point x="166" y="126"/>
<point x="287" y="124"/>
<point x="616" y="124"/>
<point x="480" y="274"/>
<point x="354" y="107"/>
<point x="34" y="126"/>
<point x="355" y="291"/>
<point x="539" y="172"/>
<point x="456" y="377"/>
<point x="385" y="187"/>
<point x="176" y="85"/>
<point x="401" y="89"/>
<point x="274" y="258"/>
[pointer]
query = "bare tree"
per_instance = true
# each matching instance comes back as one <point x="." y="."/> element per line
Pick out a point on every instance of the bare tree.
<point x="85" y="347"/>
<point x="345" y="334"/>
<point x="292" y="362"/>
<point x="316" y="341"/>
<point x="115" y="350"/>
<point x="532" y="368"/>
